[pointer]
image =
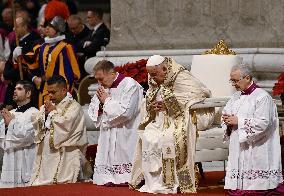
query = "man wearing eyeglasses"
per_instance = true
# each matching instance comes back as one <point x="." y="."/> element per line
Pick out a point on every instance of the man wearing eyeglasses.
<point x="251" y="126"/>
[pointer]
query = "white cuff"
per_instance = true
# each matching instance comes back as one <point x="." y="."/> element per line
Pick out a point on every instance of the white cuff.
<point x="48" y="119"/>
<point x="34" y="78"/>
<point x="11" y="124"/>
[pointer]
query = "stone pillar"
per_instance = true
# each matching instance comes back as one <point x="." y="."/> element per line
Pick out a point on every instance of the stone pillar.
<point x="191" y="24"/>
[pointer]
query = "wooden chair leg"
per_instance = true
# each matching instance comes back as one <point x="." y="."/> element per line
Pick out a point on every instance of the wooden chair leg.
<point x="199" y="165"/>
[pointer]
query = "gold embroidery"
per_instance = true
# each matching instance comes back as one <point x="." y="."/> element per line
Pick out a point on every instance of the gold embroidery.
<point x="171" y="103"/>
<point x="51" y="130"/>
<point x="166" y="90"/>
<point x="51" y="143"/>
<point x="194" y="121"/>
<point x="51" y="139"/>
<point x="55" y="180"/>
<point x="38" y="170"/>
<point x="41" y="127"/>
<point x="174" y="111"/>
<point x="180" y="135"/>
<point x="40" y="123"/>
<point x="168" y="173"/>
<point x="197" y="175"/>
<point x="185" y="182"/>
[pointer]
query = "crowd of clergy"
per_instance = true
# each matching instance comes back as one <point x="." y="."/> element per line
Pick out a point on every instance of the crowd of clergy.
<point x="146" y="142"/>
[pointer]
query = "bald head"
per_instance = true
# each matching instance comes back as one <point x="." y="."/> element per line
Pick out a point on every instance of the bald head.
<point x="75" y="18"/>
<point x="22" y="26"/>
<point x="24" y="14"/>
<point x="75" y="24"/>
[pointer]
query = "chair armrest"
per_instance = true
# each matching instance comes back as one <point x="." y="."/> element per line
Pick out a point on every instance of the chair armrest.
<point x="210" y="102"/>
<point x="206" y="103"/>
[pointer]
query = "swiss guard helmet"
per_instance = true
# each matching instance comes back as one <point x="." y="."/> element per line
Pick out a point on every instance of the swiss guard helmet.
<point x="58" y="23"/>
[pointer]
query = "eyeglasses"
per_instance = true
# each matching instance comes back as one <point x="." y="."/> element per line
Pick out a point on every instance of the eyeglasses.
<point x="233" y="81"/>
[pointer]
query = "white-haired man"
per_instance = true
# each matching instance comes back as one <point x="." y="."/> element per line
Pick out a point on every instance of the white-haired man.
<point x="166" y="146"/>
<point x="251" y="125"/>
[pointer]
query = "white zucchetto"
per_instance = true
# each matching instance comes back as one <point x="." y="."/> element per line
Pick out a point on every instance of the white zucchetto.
<point x="155" y="60"/>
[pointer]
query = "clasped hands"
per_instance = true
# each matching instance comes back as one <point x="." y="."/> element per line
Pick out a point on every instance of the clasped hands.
<point x="230" y="120"/>
<point x="102" y="94"/>
<point x="158" y="106"/>
<point x="49" y="106"/>
<point x="7" y="116"/>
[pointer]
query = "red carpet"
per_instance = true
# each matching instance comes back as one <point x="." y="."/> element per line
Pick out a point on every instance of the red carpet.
<point x="88" y="189"/>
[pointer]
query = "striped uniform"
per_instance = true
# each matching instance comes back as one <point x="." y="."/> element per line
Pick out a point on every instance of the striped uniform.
<point x="47" y="60"/>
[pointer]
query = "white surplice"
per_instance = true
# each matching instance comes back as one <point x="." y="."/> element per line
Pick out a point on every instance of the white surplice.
<point x="19" y="149"/>
<point x="118" y="132"/>
<point x="254" y="161"/>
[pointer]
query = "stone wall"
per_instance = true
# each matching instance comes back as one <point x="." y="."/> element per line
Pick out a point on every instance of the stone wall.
<point x="189" y="24"/>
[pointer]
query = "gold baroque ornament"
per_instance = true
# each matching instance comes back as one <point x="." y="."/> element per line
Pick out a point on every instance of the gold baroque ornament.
<point x="220" y="49"/>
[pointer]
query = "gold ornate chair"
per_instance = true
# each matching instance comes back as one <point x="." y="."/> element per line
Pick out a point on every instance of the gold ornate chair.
<point x="83" y="96"/>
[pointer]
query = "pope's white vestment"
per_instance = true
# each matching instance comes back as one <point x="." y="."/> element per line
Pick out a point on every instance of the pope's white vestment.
<point x="118" y="124"/>
<point x="19" y="149"/>
<point x="165" y="151"/>
<point x="254" y="161"/>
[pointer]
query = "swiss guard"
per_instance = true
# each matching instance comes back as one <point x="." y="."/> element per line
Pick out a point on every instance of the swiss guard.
<point x="53" y="57"/>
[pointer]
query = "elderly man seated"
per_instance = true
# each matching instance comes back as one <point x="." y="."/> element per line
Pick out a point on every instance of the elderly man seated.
<point x="165" y="154"/>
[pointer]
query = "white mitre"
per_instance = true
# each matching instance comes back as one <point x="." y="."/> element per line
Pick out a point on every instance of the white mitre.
<point x="155" y="60"/>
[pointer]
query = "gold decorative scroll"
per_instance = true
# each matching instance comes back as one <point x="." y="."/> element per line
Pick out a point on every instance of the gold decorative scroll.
<point x="220" y="49"/>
